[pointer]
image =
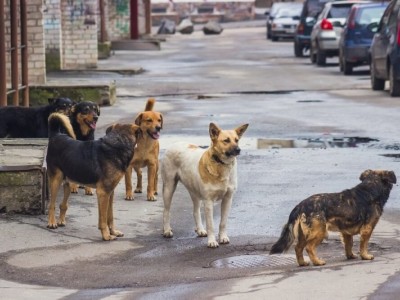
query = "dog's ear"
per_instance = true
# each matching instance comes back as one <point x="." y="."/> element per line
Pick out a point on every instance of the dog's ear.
<point x="162" y="121"/>
<point x="214" y="131"/>
<point x="241" y="129"/>
<point x="389" y="176"/>
<point x="138" y="119"/>
<point x="109" y="129"/>
<point x="365" y="174"/>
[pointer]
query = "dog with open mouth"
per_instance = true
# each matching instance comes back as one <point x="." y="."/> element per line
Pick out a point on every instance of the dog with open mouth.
<point x="84" y="117"/>
<point x="146" y="152"/>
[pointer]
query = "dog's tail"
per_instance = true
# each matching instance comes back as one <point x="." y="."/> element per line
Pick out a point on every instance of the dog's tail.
<point x="288" y="234"/>
<point x="60" y="123"/>
<point x="150" y="104"/>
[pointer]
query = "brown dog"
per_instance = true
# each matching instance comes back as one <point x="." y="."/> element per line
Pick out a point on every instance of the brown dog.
<point x="99" y="164"/>
<point x="146" y="152"/>
<point x="351" y="212"/>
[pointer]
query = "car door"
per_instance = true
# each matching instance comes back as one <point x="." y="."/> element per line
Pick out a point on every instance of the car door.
<point x="381" y="42"/>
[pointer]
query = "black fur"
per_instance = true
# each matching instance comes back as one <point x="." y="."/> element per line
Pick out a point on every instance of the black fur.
<point x="30" y="122"/>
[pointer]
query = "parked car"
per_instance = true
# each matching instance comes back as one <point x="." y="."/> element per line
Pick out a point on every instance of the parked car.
<point x="285" y="22"/>
<point x="311" y="10"/>
<point x="276" y="6"/>
<point x="385" y="50"/>
<point x="327" y="29"/>
<point x="356" y="37"/>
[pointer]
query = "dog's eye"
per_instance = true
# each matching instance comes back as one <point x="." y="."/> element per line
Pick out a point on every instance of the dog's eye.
<point x="236" y="140"/>
<point x="149" y="120"/>
<point x="228" y="140"/>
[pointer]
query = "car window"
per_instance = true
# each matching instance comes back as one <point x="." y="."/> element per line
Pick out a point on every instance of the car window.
<point x="313" y="8"/>
<point x="385" y="17"/>
<point x="369" y="15"/>
<point x="393" y="16"/>
<point x="337" y="11"/>
<point x="287" y="13"/>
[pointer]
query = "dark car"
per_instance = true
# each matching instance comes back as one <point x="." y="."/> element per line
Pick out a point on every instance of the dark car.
<point x="385" y="50"/>
<point x="356" y="37"/>
<point x="311" y="10"/>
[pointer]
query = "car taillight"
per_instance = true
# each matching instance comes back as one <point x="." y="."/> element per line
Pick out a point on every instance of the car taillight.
<point x="300" y="29"/>
<point x="398" y="34"/>
<point x="326" y="25"/>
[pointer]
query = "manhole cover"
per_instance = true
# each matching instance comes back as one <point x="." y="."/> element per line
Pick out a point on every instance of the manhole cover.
<point x="251" y="261"/>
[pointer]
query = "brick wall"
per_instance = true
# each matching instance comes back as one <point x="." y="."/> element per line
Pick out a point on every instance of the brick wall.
<point x="52" y="27"/>
<point x="79" y="34"/>
<point x="35" y="34"/>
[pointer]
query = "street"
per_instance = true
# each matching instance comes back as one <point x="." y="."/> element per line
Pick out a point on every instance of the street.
<point x="336" y="127"/>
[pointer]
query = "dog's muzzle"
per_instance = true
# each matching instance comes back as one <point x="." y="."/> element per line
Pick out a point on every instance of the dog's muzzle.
<point x="154" y="135"/>
<point x="234" y="152"/>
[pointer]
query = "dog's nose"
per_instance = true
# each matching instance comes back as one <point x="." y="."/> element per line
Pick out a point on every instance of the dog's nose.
<point x="158" y="128"/>
<point x="236" y="151"/>
<point x="95" y="117"/>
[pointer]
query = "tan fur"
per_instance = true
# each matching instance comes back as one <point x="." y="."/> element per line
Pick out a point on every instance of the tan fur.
<point x="209" y="175"/>
<point x="146" y="153"/>
<point x="66" y="123"/>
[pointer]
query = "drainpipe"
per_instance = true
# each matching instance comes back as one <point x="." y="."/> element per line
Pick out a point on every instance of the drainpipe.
<point x="3" y="84"/>
<point x="134" y="19"/>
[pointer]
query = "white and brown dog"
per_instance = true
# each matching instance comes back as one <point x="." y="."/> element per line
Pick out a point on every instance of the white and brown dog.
<point x="208" y="174"/>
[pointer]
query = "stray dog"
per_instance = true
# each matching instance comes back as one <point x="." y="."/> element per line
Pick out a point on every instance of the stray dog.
<point x="208" y="175"/>
<point x="31" y="122"/>
<point x="84" y="116"/>
<point x="100" y="164"/>
<point x="146" y="152"/>
<point x="351" y="212"/>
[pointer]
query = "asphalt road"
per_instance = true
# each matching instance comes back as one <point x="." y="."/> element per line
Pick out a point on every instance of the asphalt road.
<point x="231" y="79"/>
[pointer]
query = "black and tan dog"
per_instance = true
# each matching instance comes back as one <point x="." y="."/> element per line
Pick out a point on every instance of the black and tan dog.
<point x="99" y="164"/>
<point x="31" y="122"/>
<point x="84" y="116"/>
<point x="146" y="152"/>
<point x="351" y="212"/>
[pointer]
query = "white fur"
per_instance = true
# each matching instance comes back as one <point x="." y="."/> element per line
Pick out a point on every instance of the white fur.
<point x="181" y="163"/>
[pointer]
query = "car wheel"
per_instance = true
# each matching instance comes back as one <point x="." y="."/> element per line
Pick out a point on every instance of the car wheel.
<point x="298" y="50"/>
<point x="321" y="57"/>
<point x="377" y="84"/>
<point x="274" y="38"/>
<point x="312" y="55"/>
<point x="347" y="67"/>
<point x="394" y="84"/>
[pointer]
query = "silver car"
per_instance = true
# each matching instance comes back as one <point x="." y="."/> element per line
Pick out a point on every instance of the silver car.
<point x="285" y="22"/>
<point x="327" y="30"/>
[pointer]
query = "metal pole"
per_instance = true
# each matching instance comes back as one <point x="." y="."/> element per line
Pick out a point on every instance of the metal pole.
<point x="134" y="19"/>
<point x="24" y="53"/>
<point x="3" y="79"/>
<point x="103" y="31"/>
<point x="14" y="50"/>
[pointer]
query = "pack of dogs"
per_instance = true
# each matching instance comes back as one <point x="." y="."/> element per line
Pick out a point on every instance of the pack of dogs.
<point x="75" y="158"/>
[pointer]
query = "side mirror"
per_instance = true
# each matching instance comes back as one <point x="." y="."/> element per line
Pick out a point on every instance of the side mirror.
<point x="296" y="18"/>
<point x="373" y="27"/>
<point x="310" y="21"/>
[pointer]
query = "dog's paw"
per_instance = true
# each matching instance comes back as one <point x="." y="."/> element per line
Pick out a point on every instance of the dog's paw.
<point x="129" y="197"/>
<point x="223" y="239"/>
<point x="319" y="262"/>
<point x="109" y="237"/>
<point x="151" y="198"/>
<point x="168" y="234"/>
<point x="52" y="226"/>
<point x="88" y="191"/>
<point x="201" y="232"/>
<point x="351" y="256"/>
<point x="138" y="191"/>
<point x="212" y="244"/>
<point x="367" y="256"/>
<point x="117" y="233"/>
<point x="304" y="263"/>
<point x="61" y="223"/>
<point x="155" y="193"/>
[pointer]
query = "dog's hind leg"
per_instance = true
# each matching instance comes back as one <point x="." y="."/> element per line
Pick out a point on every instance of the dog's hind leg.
<point x="110" y="217"/>
<point x="64" y="204"/>
<point x="225" y="208"/>
<point x="128" y="184"/>
<point x="103" y="199"/>
<point x="139" y="180"/>
<point x="151" y="175"/>
<point x="169" y="187"/>
<point x="348" y="246"/>
<point x="55" y="181"/>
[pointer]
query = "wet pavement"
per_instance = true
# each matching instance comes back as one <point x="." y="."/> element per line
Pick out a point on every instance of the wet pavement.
<point x="230" y="80"/>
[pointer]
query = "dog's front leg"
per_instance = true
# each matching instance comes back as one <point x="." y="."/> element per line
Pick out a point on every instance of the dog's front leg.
<point x="225" y="208"/>
<point x="208" y="208"/>
<point x="103" y="199"/>
<point x="55" y="181"/>
<point x="365" y="234"/>
<point x="348" y="246"/>
<point x="128" y="184"/>
<point x="201" y="232"/>
<point x="151" y="175"/>
<point x="110" y="217"/>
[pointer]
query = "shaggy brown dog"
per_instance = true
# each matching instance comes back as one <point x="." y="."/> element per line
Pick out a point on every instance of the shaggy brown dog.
<point x="100" y="164"/>
<point x="31" y="122"/>
<point x="84" y="116"/>
<point x="351" y="212"/>
<point x="146" y="152"/>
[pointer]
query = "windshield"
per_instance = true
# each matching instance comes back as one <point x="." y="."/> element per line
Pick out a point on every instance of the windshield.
<point x="339" y="11"/>
<point x="288" y="13"/>
<point x="369" y="15"/>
